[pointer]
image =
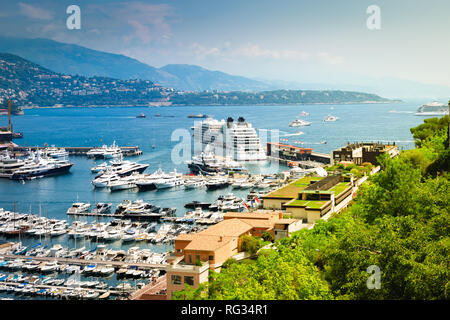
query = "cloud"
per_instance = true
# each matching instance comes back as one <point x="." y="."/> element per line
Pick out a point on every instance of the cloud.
<point x="145" y="22"/>
<point x="34" y="12"/>
<point x="247" y="51"/>
<point x="330" y="59"/>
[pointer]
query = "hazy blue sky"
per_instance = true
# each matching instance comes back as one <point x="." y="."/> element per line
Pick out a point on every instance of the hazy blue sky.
<point x="304" y="41"/>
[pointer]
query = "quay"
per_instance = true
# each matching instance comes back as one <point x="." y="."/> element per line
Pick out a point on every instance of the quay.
<point x="79" y="151"/>
<point x="83" y="262"/>
<point x="116" y="292"/>
<point x="120" y="216"/>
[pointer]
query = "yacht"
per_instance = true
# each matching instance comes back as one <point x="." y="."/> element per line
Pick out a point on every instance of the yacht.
<point x="299" y="123"/>
<point x="202" y="116"/>
<point x="194" y="183"/>
<point x="101" y="167"/>
<point x="56" y="153"/>
<point x="121" y="184"/>
<point x="10" y="164"/>
<point x="209" y="163"/>
<point x="106" y="152"/>
<point x="171" y="180"/>
<point x="41" y="167"/>
<point x="217" y="183"/>
<point x="330" y="118"/>
<point x="432" y="109"/>
<point x="102" y="207"/>
<point x="78" y="207"/>
<point x="104" y="180"/>
<point x="304" y="114"/>
<point x="147" y="182"/>
<point x="237" y="140"/>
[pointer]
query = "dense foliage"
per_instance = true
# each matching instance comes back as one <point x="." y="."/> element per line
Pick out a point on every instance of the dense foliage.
<point x="400" y="222"/>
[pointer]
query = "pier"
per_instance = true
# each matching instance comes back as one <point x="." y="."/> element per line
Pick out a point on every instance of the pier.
<point x="83" y="262"/>
<point x="79" y="151"/>
<point x="119" y="216"/>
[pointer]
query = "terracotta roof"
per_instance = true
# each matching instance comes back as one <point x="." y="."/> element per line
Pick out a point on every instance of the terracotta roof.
<point x="208" y="242"/>
<point x="258" y="223"/>
<point x="251" y="215"/>
<point x="228" y="227"/>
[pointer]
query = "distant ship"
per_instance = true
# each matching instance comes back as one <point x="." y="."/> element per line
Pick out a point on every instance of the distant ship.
<point x="432" y="109"/>
<point x="330" y="118"/>
<point x="299" y="123"/>
<point x="142" y="115"/>
<point x="202" y="116"/>
<point x="304" y="113"/>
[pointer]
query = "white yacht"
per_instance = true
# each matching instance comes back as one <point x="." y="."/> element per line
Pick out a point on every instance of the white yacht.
<point x="432" y="109"/>
<point x="106" y="152"/>
<point x="194" y="183"/>
<point x="172" y="179"/>
<point x="299" y="123"/>
<point x="10" y="164"/>
<point x="147" y="182"/>
<point x="330" y="118"/>
<point x="238" y="140"/>
<point x="304" y="114"/>
<point x="104" y="180"/>
<point x="78" y="207"/>
<point x="56" y="153"/>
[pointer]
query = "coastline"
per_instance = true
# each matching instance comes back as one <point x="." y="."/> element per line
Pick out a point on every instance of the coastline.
<point x="212" y="105"/>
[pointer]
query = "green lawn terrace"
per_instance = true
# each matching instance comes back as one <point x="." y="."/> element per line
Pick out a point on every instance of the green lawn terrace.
<point x="292" y="190"/>
<point x="310" y="198"/>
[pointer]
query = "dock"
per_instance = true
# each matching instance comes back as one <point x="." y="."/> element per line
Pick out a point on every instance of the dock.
<point x="120" y="216"/>
<point x="79" y="151"/>
<point x="83" y="262"/>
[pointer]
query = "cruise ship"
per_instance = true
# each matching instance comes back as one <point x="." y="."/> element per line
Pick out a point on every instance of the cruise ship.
<point x="432" y="109"/>
<point x="236" y="139"/>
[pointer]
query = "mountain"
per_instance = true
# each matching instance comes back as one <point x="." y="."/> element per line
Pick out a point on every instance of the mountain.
<point x="195" y="78"/>
<point x="27" y="83"/>
<point x="73" y="59"/>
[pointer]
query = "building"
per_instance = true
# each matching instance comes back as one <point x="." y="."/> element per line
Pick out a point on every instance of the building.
<point x="196" y="254"/>
<point x="361" y="152"/>
<point x="310" y="198"/>
<point x="296" y="155"/>
<point x="237" y="140"/>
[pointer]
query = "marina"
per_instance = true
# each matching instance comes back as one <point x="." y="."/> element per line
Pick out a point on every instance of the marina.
<point x="57" y="235"/>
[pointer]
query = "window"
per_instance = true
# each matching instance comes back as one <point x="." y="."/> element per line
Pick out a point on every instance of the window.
<point x="189" y="259"/>
<point x="176" y="279"/>
<point x="189" y="280"/>
<point x="211" y="258"/>
<point x="197" y="258"/>
<point x="179" y="251"/>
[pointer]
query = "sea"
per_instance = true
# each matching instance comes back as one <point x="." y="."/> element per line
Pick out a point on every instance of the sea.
<point x="165" y="137"/>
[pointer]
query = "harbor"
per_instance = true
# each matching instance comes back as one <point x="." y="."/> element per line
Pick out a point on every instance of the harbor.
<point x="123" y="215"/>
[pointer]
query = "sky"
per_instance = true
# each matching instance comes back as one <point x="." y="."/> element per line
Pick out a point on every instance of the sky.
<point x="292" y="40"/>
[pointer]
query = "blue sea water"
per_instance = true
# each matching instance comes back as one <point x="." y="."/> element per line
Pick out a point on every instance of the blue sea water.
<point x="96" y="126"/>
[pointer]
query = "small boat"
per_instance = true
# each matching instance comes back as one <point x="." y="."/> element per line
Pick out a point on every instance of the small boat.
<point x="299" y="123"/>
<point x="142" y="115"/>
<point x="104" y="295"/>
<point x="106" y="270"/>
<point x="78" y="207"/>
<point x="201" y="116"/>
<point x="330" y="118"/>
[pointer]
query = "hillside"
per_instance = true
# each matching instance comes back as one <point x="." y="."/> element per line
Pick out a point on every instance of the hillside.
<point x="72" y="59"/>
<point x="30" y="84"/>
<point x="195" y="78"/>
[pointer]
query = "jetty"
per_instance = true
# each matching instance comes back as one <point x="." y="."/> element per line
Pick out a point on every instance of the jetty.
<point x="83" y="262"/>
<point x="79" y="151"/>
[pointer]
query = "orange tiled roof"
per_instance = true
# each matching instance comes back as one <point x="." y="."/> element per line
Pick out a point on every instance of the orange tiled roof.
<point x="207" y="242"/>
<point x="229" y="227"/>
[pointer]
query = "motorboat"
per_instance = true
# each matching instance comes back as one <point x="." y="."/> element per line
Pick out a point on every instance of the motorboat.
<point x="330" y="118"/>
<point x="171" y="180"/>
<point x="194" y="183"/>
<point x="102" y="207"/>
<point x="299" y="123"/>
<point x="304" y="114"/>
<point x="217" y="183"/>
<point x="78" y="207"/>
<point x="105" y="152"/>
